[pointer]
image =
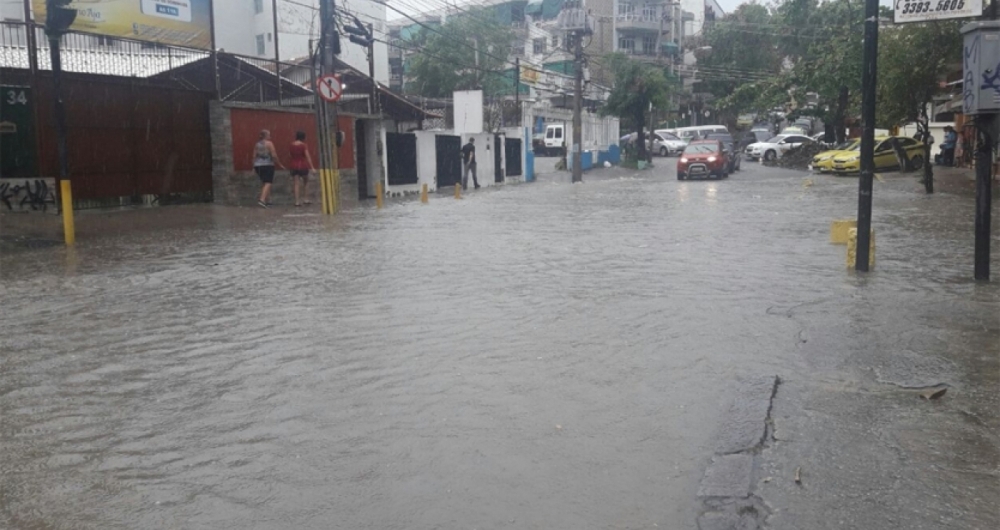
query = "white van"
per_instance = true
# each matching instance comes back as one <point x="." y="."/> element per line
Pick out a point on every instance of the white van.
<point x="557" y="136"/>
<point x="694" y="133"/>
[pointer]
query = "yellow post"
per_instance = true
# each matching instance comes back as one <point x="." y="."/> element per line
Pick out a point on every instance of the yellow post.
<point x="458" y="191"/>
<point x="334" y="190"/>
<point x="423" y="193"/>
<point x="839" y="228"/>
<point x="324" y="191"/>
<point x="69" y="230"/>
<point x="852" y="248"/>
<point x="378" y="194"/>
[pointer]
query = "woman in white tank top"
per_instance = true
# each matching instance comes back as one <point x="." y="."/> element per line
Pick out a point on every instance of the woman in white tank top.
<point x="264" y="159"/>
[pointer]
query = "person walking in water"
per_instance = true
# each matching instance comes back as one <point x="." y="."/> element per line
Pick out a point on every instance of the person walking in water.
<point x="301" y="165"/>
<point x="469" y="164"/>
<point x="265" y="157"/>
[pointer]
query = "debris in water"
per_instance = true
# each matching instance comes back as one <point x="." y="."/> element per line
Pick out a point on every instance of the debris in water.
<point x="798" y="475"/>
<point x="934" y="393"/>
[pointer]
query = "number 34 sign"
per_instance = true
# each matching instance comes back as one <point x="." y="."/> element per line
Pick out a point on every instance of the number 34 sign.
<point x="923" y="10"/>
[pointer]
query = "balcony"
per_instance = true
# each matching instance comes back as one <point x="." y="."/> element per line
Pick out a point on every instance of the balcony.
<point x="638" y="23"/>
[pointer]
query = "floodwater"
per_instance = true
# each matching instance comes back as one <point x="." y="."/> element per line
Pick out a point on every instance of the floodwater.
<point x="547" y="356"/>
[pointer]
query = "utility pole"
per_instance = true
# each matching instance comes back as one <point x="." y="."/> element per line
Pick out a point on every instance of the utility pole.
<point x="578" y="106"/>
<point x="58" y="18"/>
<point x="868" y="73"/>
<point x="982" y="101"/>
<point x="326" y="113"/>
<point x="517" y="83"/>
<point x="277" y="56"/>
<point x="371" y="73"/>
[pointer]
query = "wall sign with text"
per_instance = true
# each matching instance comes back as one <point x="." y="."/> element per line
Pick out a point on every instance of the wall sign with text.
<point x="186" y="23"/>
<point x="924" y="10"/>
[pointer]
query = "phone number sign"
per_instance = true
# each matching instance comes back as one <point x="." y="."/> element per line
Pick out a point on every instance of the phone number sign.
<point x="924" y="10"/>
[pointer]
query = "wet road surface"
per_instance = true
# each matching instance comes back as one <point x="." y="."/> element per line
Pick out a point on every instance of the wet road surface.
<point x="537" y="356"/>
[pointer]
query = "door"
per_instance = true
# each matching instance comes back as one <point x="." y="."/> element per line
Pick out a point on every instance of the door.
<point x="498" y="146"/>
<point x="512" y="152"/>
<point x="401" y="158"/>
<point x="449" y="160"/>
<point x="362" y="158"/>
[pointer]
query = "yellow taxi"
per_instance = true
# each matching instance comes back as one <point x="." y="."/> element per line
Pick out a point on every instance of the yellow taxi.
<point x="823" y="162"/>
<point x="885" y="156"/>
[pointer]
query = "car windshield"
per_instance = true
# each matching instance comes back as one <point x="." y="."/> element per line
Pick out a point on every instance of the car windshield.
<point x="724" y="138"/>
<point x="849" y="145"/>
<point x="668" y="136"/>
<point x="777" y="139"/>
<point x="701" y="149"/>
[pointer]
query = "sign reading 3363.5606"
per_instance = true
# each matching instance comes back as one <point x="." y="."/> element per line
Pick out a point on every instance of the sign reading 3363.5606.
<point x="923" y="10"/>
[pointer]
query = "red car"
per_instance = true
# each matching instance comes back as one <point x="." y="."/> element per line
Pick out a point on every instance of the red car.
<point x="703" y="158"/>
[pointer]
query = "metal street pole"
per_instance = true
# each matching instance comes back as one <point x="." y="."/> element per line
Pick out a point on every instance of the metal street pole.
<point x="984" y="195"/>
<point x="578" y="106"/>
<point x="327" y="112"/>
<point x="277" y="55"/>
<point x="868" y="73"/>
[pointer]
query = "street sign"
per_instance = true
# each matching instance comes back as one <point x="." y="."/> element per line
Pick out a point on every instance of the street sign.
<point x="330" y="88"/>
<point x="924" y="10"/>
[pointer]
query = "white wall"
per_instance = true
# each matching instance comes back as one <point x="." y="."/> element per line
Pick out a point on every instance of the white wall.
<point x="468" y="112"/>
<point x="426" y="159"/>
<point x="11" y="9"/>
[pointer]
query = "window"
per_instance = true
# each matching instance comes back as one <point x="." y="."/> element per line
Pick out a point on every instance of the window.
<point x="649" y="45"/>
<point x="555" y="41"/>
<point x="626" y="45"/>
<point x="260" y="44"/>
<point x="649" y="12"/>
<point x="269" y="37"/>
<point x="538" y="46"/>
<point x="559" y="133"/>
<point x="625" y="9"/>
<point x="258" y="6"/>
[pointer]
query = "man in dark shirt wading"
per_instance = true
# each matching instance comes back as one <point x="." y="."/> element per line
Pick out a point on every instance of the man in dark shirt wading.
<point x="469" y="164"/>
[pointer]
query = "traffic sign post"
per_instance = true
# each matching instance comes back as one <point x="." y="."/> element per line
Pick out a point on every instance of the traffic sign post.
<point x="330" y="87"/>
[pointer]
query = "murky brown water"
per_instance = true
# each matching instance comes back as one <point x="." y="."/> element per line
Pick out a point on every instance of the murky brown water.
<point x="539" y="356"/>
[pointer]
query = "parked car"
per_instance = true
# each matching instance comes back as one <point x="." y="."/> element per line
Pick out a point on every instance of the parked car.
<point x="885" y="156"/>
<point x="823" y="162"/>
<point x="703" y="158"/>
<point x="689" y="134"/>
<point x="775" y="147"/>
<point x="664" y="143"/>
<point x="732" y="151"/>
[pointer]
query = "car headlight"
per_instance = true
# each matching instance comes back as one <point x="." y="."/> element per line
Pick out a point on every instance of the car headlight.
<point x="711" y="159"/>
<point x="683" y="160"/>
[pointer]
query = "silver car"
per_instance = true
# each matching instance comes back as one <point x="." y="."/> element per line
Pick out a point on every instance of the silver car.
<point x="665" y="144"/>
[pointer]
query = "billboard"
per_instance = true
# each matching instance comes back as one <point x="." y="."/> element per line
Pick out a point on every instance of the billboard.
<point x="186" y="23"/>
<point x="924" y="10"/>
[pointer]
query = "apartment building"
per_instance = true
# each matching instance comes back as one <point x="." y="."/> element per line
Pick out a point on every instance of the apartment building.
<point x="246" y="27"/>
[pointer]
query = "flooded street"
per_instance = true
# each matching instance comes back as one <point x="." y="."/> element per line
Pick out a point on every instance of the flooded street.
<point x="538" y="356"/>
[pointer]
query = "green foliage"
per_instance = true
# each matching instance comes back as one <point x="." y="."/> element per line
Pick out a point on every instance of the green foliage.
<point x="446" y="65"/>
<point x="636" y="86"/>
<point x="912" y="59"/>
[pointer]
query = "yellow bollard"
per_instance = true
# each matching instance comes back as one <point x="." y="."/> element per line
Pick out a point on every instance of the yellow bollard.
<point x="69" y="230"/>
<point x="334" y="186"/>
<point x="423" y="193"/>
<point x="838" y="230"/>
<point x="378" y="194"/>
<point x="458" y="191"/>
<point x="852" y="248"/>
<point x="324" y="190"/>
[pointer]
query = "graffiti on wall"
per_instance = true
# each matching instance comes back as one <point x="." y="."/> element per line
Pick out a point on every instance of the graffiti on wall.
<point x="27" y="195"/>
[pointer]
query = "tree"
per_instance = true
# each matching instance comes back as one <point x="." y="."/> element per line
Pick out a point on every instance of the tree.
<point x="637" y="85"/>
<point x="739" y="53"/>
<point x="447" y="57"/>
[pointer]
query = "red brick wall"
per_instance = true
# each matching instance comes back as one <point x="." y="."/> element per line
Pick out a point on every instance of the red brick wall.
<point x="247" y="124"/>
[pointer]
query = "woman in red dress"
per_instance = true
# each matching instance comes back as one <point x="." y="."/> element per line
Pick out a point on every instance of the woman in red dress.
<point x="301" y="165"/>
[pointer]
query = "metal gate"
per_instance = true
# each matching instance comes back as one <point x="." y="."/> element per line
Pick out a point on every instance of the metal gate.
<point x="512" y="148"/>
<point x="498" y="146"/>
<point x="401" y="158"/>
<point x="449" y="160"/>
<point x="126" y="139"/>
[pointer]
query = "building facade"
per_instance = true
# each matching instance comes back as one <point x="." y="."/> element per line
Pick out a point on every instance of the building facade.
<point x="246" y="27"/>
